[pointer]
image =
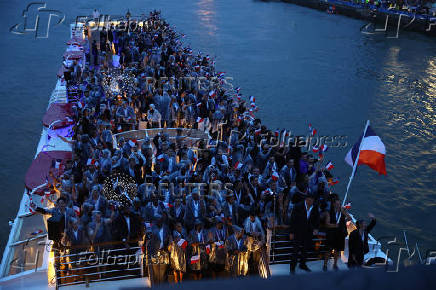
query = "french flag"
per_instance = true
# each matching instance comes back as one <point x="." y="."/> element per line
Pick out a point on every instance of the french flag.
<point x="312" y="130"/>
<point x="195" y="259"/>
<point x="275" y="176"/>
<point x="348" y="206"/>
<point x="372" y="152"/>
<point x="208" y="249"/>
<point x="315" y="149"/>
<point x="238" y="165"/>
<point x="160" y="158"/>
<point x="220" y="244"/>
<point x="212" y="94"/>
<point x="76" y="210"/>
<point x="323" y="148"/>
<point x="252" y="99"/>
<point x="37" y="232"/>
<point x="200" y="120"/>
<point x="276" y="133"/>
<point x="91" y="162"/>
<point x="132" y="143"/>
<point x="182" y="243"/>
<point x="329" y="166"/>
<point x="268" y="192"/>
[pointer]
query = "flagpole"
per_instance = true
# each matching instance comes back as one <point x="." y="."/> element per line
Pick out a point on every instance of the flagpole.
<point x="355" y="164"/>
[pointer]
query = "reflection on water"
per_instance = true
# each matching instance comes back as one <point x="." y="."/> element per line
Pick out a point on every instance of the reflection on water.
<point x="206" y="14"/>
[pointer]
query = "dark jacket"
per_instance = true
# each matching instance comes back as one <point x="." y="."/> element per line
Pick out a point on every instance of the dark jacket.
<point x="301" y="226"/>
<point x="155" y="240"/>
<point x="81" y="238"/>
<point x="120" y="230"/>
<point x="189" y="212"/>
<point x="358" y="248"/>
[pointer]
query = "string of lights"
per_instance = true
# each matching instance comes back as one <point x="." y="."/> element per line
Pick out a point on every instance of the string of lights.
<point x="120" y="189"/>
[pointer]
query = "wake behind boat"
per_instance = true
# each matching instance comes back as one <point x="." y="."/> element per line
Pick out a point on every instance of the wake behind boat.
<point x="152" y="168"/>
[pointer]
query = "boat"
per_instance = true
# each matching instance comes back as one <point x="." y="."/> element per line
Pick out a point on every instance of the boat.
<point x="30" y="258"/>
<point x="384" y="19"/>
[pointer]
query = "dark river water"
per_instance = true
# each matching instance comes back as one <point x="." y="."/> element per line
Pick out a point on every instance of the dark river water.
<point x="303" y="66"/>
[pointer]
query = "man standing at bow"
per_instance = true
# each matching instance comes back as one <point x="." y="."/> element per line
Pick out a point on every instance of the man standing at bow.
<point x="304" y="225"/>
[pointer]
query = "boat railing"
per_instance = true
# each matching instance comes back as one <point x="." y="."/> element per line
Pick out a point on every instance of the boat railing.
<point x="282" y="248"/>
<point x="86" y="264"/>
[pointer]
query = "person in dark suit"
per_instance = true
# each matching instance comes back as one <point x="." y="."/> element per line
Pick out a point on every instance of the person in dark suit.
<point x="75" y="235"/>
<point x="230" y="209"/>
<point x="177" y="212"/>
<point x="158" y="249"/>
<point x="217" y="258"/>
<point x="195" y="210"/>
<point x="154" y="210"/>
<point x="358" y="242"/>
<point x="304" y="224"/>
<point x="237" y="258"/>
<point x="135" y="170"/>
<point x="126" y="226"/>
<point x="288" y="174"/>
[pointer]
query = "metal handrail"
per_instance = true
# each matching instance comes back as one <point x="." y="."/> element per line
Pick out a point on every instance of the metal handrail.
<point x="71" y="269"/>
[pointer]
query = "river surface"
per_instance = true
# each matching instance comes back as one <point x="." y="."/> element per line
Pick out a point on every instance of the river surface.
<point x="304" y="66"/>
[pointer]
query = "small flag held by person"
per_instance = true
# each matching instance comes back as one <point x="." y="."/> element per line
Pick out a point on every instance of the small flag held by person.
<point x="195" y="259"/>
<point x="132" y="143"/>
<point x="37" y="232"/>
<point x="160" y="158"/>
<point x="333" y="181"/>
<point x="220" y="244"/>
<point x="323" y="148"/>
<point x="275" y="176"/>
<point x="91" y="162"/>
<point x="329" y="166"/>
<point x="238" y="165"/>
<point x="182" y="243"/>
<point x="76" y="210"/>
<point x="312" y="130"/>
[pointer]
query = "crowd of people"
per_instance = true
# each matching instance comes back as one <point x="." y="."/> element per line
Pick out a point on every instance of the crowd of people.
<point x="140" y="76"/>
